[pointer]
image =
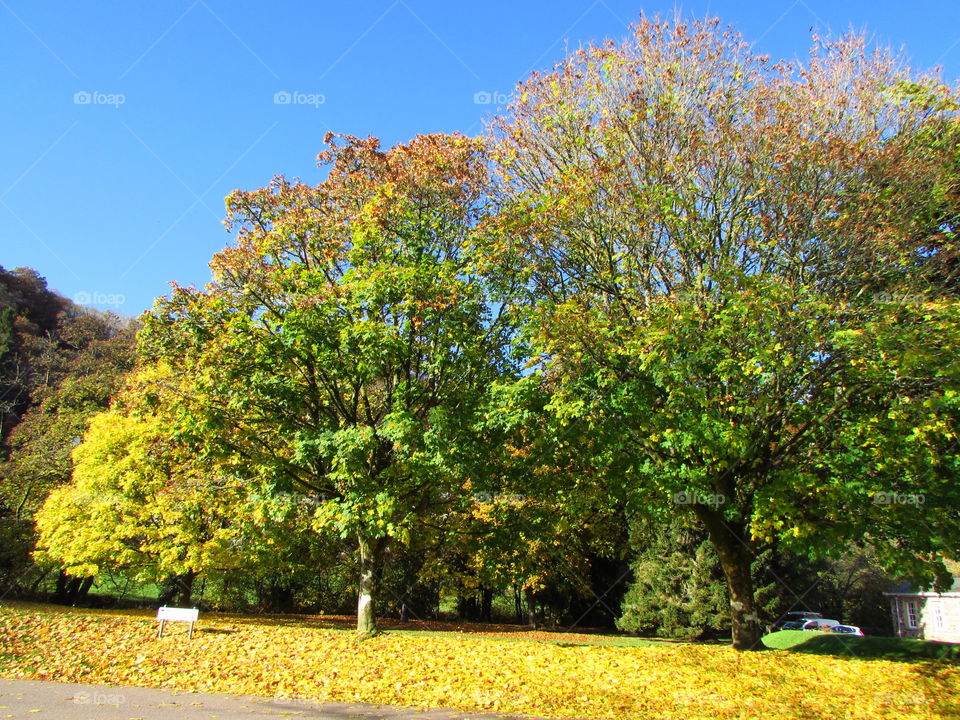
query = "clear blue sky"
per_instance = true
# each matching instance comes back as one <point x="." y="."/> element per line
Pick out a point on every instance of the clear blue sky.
<point x="126" y="123"/>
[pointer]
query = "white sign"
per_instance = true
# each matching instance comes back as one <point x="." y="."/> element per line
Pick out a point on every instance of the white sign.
<point x="189" y="615"/>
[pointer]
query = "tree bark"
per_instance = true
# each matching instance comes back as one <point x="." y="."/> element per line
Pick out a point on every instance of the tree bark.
<point x="36" y="583"/>
<point x="70" y="589"/>
<point x="83" y="589"/>
<point x="167" y="590"/>
<point x="371" y="554"/>
<point x="486" y="606"/>
<point x="531" y="608"/>
<point x="60" y="592"/>
<point x="731" y="542"/>
<point x="185" y="588"/>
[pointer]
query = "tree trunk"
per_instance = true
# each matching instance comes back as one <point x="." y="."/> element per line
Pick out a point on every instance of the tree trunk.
<point x="185" y="588"/>
<point x="518" y="605"/>
<point x="486" y="605"/>
<point x="36" y="583"/>
<point x="176" y="588"/>
<point x="531" y="609"/>
<point x="70" y="589"/>
<point x="371" y="554"/>
<point x="83" y="589"/>
<point x="731" y="542"/>
<point x="60" y="592"/>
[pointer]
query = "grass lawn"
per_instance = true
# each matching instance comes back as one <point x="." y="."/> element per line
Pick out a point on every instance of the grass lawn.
<point x="889" y="648"/>
<point x="504" y="668"/>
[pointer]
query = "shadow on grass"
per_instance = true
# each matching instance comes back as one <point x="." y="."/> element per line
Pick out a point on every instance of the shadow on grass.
<point x="862" y="648"/>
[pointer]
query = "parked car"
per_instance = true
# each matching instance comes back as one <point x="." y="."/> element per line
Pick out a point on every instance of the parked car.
<point x="847" y="630"/>
<point x="792" y="625"/>
<point x="820" y="624"/>
<point x="794" y="616"/>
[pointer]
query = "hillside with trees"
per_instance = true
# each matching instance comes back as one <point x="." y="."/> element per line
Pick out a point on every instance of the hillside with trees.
<point x="59" y="365"/>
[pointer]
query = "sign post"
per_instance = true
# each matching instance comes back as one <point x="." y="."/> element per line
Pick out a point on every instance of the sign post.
<point x="173" y="614"/>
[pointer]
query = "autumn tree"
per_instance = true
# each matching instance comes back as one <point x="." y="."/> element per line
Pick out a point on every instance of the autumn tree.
<point x="140" y="502"/>
<point x="731" y="263"/>
<point x="345" y="343"/>
<point x="547" y="527"/>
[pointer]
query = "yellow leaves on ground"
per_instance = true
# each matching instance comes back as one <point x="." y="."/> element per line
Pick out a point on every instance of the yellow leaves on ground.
<point x="298" y="658"/>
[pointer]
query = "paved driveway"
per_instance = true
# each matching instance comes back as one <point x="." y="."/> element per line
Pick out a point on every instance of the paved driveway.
<point x="37" y="700"/>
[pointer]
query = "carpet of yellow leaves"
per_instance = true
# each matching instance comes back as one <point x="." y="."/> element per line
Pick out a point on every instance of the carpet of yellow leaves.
<point x="300" y="660"/>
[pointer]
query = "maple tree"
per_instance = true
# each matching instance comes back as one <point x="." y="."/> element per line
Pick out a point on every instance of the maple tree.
<point x="742" y="275"/>
<point x="140" y="501"/>
<point x="345" y="344"/>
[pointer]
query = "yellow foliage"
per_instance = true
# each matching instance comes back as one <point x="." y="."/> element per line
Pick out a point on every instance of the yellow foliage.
<point x="306" y="659"/>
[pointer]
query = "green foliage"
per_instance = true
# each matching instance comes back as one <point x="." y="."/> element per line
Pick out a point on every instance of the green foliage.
<point x="714" y="244"/>
<point x="348" y="340"/>
<point x="59" y="365"/>
<point x="38" y="338"/>
<point x="678" y="590"/>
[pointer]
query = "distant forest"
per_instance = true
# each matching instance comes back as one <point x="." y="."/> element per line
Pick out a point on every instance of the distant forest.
<point x="59" y="365"/>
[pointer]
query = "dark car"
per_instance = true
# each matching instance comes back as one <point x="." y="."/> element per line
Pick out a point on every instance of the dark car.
<point x="847" y="630"/>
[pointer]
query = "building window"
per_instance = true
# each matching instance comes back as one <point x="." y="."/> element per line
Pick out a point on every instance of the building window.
<point x="912" y="614"/>
<point x="937" y="617"/>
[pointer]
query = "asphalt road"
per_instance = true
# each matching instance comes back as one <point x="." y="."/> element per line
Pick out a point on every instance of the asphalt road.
<point x="37" y="700"/>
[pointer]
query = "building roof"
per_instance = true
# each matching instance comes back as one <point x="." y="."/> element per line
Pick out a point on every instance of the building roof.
<point x="908" y="588"/>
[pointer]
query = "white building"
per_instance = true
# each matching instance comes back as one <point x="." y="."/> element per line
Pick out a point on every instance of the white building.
<point x="925" y="614"/>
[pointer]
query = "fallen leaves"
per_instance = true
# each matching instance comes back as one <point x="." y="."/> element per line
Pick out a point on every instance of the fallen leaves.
<point x="297" y="659"/>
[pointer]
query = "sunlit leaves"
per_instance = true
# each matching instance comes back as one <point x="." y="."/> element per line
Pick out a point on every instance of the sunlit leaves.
<point x="711" y="239"/>
<point x="348" y="338"/>
<point x="538" y="674"/>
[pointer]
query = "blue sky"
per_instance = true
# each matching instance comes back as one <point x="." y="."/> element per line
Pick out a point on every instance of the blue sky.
<point x="127" y="123"/>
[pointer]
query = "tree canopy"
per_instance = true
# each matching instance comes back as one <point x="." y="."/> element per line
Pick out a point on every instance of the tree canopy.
<point x="720" y="250"/>
<point x="676" y="286"/>
<point x="346" y="343"/>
